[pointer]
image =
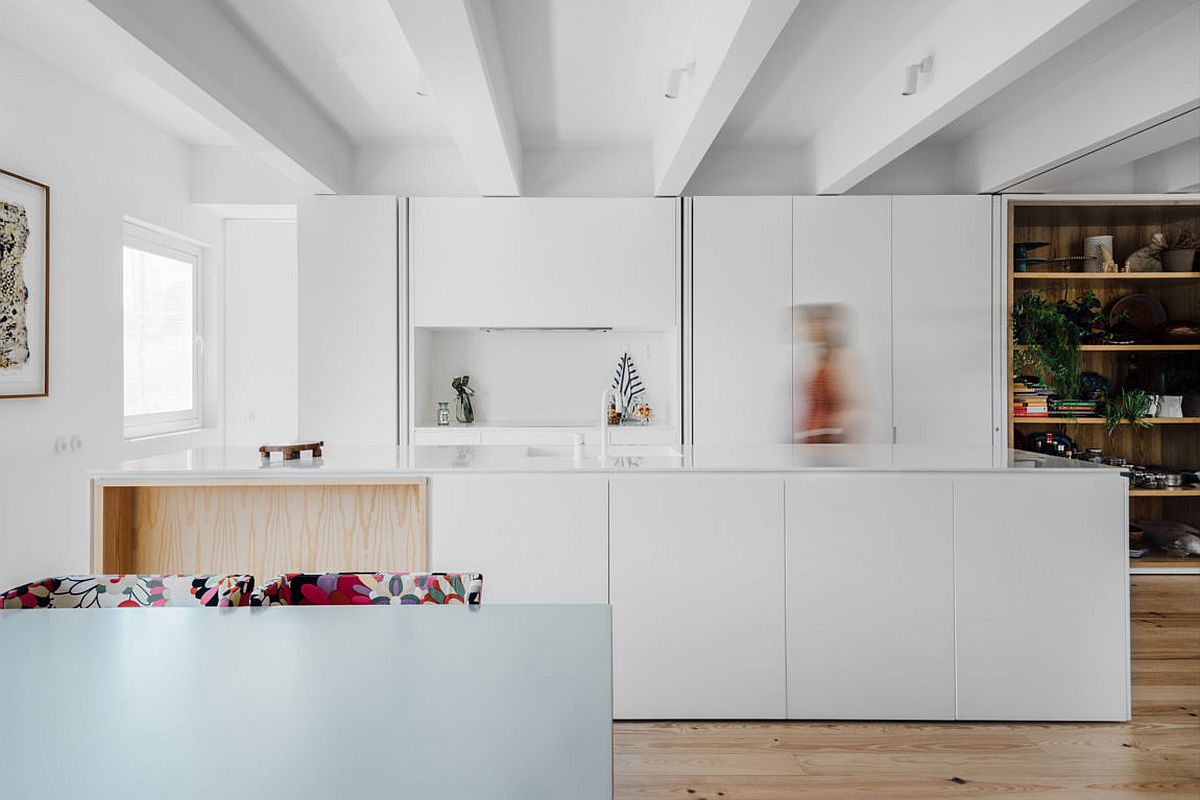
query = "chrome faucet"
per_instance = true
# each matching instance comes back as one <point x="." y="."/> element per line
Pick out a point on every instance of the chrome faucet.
<point x="604" y="424"/>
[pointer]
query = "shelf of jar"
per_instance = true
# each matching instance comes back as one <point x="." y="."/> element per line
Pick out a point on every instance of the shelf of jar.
<point x="1106" y="276"/>
<point x="1100" y="421"/>
<point x="1130" y="348"/>
<point x="1187" y="491"/>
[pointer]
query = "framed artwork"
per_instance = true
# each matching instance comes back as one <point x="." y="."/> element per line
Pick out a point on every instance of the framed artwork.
<point x="24" y="287"/>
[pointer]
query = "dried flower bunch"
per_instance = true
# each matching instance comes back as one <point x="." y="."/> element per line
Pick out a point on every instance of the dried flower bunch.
<point x="1176" y="238"/>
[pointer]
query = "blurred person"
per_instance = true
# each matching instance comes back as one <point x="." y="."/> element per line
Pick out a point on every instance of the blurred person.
<point x="826" y="405"/>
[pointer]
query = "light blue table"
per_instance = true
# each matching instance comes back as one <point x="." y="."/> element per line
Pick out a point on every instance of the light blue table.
<point x="381" y="701"/>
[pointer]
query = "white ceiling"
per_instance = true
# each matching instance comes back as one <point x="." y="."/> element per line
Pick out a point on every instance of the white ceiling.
<point x="352" y="60"/>
<point x="591" y="73"/>
<point x="827" y="50"/>
<point x="581" y="76"/>
<point x="82" y="42"/>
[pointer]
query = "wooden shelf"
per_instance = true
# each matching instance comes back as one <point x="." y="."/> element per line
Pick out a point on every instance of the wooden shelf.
<point x="1101" y="276"/>
<point x="1187" y="492"/>
<point x="1100" y="421"/>
<point x="1128" y="348"/>
<point x="1164" y="563"/>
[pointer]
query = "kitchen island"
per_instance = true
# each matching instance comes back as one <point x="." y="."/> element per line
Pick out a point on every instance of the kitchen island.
<point x="757" y="582"/>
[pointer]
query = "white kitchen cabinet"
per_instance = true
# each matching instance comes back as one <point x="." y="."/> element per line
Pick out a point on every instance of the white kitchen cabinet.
<point x="536" y="539"/>
<point x="942" y="310"/>
<point x="741" y="320"/>
<point x="696" y="570"/>
<point x="1042" y="621"/>
<point x="842" y="255"/>
<point x="349" y="306"/>
<point x="870" y="597"/>
<point x="545" y="262"/>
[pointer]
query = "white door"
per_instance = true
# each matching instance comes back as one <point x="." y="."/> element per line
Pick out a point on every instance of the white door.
<point x="870" y="597"/>
<point x="741" y="320"/>
<point x="536" y="539"/>
<point x="348" y="319"/>
<point x="545" y="262"/>
<point x="942" y="312"/>
<point x="842" y="255"/>
<point x="1042" y="621"/>
<point x="697" y="597"/>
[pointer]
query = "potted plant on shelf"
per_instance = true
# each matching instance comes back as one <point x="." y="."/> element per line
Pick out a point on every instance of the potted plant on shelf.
<point x="1179" y="250"/>
<point x="1133" y="406"/>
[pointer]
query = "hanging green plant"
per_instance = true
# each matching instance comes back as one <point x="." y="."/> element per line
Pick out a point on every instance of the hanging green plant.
<point x="1053" y="336"/>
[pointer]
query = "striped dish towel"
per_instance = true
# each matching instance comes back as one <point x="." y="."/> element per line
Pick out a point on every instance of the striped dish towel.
<point x="626" y="382"/>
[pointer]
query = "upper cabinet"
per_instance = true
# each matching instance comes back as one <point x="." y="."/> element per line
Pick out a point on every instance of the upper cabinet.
<point x="742" y="331"/>
<point x="842" y="255"/>
<point x="348" y="284"/>
<point x="942" y="319"/>
<point x="544" y="262"/>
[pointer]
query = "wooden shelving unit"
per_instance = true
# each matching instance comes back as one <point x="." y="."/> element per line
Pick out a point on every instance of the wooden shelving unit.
<point x="1173" y="442"/>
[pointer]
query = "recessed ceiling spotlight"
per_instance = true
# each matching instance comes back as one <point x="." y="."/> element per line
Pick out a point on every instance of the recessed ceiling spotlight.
<point x="423" y="87"/>
<point x="914" y="72"/>
<point x="675" y="79"/>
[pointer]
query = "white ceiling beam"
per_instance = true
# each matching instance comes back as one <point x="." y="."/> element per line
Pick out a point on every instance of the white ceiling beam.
<point x="977" y="47"/>
<point x="731" y="41"/>
<point x="1176" y="169"/>
<point x="1128" y="152"/>
<point x="458" y="50"/>
<point x="1143" y="83"/>
<point x="192" y="49"/>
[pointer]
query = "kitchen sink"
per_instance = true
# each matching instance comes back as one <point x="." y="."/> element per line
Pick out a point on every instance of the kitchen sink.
<point x="614" y="451"/>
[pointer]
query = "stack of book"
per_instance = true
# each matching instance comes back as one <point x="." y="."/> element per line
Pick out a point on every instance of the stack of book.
<point x="1030" y="400"/>
<point x="1072" y="408"/>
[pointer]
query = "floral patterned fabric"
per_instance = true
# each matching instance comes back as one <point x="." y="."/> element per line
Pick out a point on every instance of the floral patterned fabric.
<point x="367" y="588"/>
<point x="131" y="591"/>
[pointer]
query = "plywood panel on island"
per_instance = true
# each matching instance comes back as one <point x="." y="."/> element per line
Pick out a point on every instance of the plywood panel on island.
<point x="262" y="529"/>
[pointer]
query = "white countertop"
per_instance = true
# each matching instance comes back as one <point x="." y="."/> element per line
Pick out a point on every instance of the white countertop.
<point x="220" y="463"/>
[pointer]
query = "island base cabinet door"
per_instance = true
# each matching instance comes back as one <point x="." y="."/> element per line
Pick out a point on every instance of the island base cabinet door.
<point x="536" y="539"/>
<point x="697" y="597"/>
<point x="1042" y="598"/>
<point x="870" y="597"/>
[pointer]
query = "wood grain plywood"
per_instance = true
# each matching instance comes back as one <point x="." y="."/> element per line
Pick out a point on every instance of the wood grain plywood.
<point x="265" y="530"/>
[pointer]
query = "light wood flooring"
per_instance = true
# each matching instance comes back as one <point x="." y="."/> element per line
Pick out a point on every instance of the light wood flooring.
<point x="1155" y="755"/>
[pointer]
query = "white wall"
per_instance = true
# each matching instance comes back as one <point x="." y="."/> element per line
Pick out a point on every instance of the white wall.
<point x="261" y="331"/>
<point x="102" y="164"/>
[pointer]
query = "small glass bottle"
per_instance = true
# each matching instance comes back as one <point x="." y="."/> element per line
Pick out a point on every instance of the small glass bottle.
<point x="443" y="414"/>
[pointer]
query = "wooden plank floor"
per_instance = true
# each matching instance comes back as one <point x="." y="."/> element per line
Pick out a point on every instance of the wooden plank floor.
<point x="1155" y="755"/>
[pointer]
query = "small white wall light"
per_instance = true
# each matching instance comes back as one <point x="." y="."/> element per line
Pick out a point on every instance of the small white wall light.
<point x="675" y="79"/>
<point x="914" y="72"/>
<point x="423" y="88"/>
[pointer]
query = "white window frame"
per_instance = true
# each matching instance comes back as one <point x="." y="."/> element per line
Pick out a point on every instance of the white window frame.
<point x="138" y="426"/>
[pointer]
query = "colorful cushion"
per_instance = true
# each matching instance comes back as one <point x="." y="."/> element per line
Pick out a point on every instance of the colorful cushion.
<point x="131" y="591"/>
<point x="367" y="588"/>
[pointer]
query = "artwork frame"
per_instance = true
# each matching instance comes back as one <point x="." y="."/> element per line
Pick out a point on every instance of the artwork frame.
<point x="24" y="287"/>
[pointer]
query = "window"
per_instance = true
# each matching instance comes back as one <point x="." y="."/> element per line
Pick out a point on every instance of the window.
<point x="161" y="279"/>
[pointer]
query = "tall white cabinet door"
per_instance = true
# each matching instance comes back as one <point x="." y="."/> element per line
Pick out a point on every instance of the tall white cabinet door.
<point x="536" y="539"/>
<point x="545" y="262"/>
<point x="348" y="319"/>
<point x="942" y="309"/>
<point x="842" y="254"/>
<point x="1042" y="622"/>
<point x="741" y="320"/>
<point x="696" y="576"/>
<point x="870" y="597"/>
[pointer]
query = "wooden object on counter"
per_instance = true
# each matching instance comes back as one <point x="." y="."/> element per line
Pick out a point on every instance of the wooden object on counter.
<point x="260" y="527"/>
<point x="291" y="452"/>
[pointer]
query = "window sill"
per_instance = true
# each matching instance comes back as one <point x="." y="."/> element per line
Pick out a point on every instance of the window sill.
<point x="145" y="436"/>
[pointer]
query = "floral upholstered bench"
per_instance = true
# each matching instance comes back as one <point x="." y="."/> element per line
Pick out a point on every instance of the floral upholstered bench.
<point x="371" y="588"/>
<point x="131" y="591"/>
